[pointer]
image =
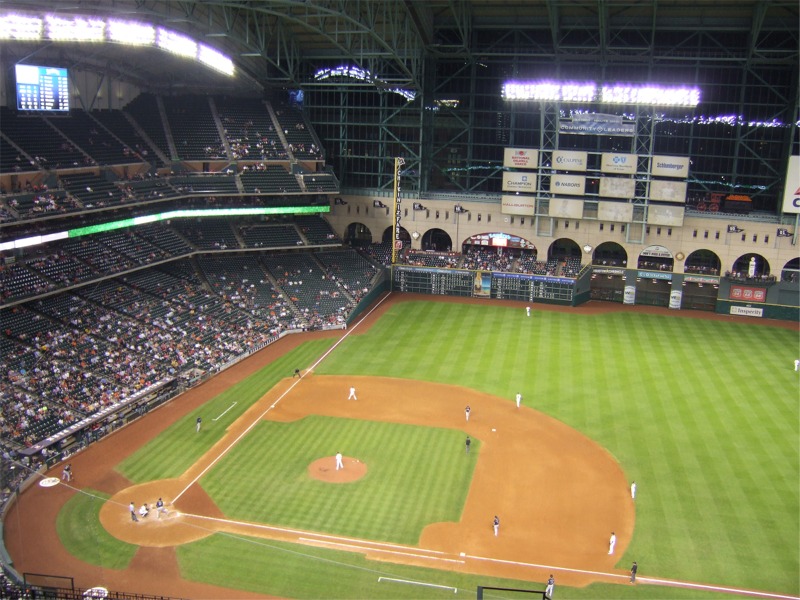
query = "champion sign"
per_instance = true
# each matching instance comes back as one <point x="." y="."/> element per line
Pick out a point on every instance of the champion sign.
<point x="618" y="163"/>
<point x="670" y="166"/>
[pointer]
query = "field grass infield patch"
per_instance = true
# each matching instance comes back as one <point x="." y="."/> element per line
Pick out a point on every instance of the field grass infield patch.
<point x="416" y="476"/>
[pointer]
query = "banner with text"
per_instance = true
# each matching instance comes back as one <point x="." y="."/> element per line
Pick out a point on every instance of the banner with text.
<point x="518" y="205"/>
<point x="566" y="208"/>
<point x="670" y="166"/>
<point x="668" y="191"/>
<point x="519" y="182"/>
<point x="617" y="212"/>
<point x="748" y="294"/>
<point x="520" y="158"/>
<point x="596" y="127"/>
<point x="617" y="187"/>
<point x="570" y="160"/>
<point x="665" y="215"/>
<point x="791" y="191"/>
<point x="568" y="184"/>
<point x="618" y="163"/>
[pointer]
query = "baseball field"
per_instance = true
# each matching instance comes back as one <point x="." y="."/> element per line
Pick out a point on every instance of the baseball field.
<point x="700" y="410"/>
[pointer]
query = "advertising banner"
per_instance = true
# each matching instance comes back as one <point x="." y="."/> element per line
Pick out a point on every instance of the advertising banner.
<point x="670" y="166"/>
<point x="618" y="212"/>
<point x="617" y="187"/>
<point x="668" y="191"/>
<point x="791" y="191"/>
<point x="747" y="311"/>
<point x="611" y="162"/>
<point x="629" y="294"/>
<point x="596" y="127"/>
<point x="518" y="205"/>
<point x="748" y="294"/>
<point x="519" y="182"/>
<point x="568" y="184"/>
<point x="570" y="160"/>
<point x="675" y="299"/>
<point x="665" y="215"/>
<point x="566" y="208"/>
<point x="520" y="158"/>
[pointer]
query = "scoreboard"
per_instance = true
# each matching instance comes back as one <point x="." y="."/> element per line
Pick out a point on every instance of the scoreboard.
<point x="42" y="88"/>
<point x="507" y="286"/>
<point x="448" y="282"/>
<point x="518" y="286"/>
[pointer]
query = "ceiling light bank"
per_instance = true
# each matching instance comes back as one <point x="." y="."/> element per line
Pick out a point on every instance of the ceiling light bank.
<point x="59" y="28"/>
<point x="612" y="93"/>
<point x="353" y="72"/>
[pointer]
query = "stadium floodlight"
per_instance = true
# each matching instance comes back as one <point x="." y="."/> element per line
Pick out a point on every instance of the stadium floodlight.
<point x="176" y="43"/>
<point x="650" y="95"/>
<point x="20" y="27"/>
<point x="76" y="29"/>
<point x="354" y="72"/>
<point x="214" y="59"/>
<point x="131" y="33"/>
<point x="615" y="93"/>
<point x="550" y="90"/>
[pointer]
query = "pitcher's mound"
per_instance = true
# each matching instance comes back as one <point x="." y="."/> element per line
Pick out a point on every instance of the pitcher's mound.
<point x="324" y="469"/>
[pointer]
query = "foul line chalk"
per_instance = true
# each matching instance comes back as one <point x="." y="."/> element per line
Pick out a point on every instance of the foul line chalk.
<point x="433" y="585"/>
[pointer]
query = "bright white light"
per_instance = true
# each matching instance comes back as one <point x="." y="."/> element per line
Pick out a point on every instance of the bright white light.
<point x="75" y="29"/>
<point x="176" y="43"/>
<point x="649" y="95"/>
<point x="215" y="60"/>
<point x="550" y="90"/>
<point x="131" y="33"/>
<point x="360" y="74"/>
<point x="18" y="27"/>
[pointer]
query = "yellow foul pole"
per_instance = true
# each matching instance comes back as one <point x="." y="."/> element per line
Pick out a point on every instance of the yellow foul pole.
<point x="397" y="242"/>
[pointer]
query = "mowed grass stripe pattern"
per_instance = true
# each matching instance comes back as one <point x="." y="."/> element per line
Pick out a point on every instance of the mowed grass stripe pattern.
<point x="176" y="449"/>
<point x="703" y="414"/>
<point x="416" y="476"/>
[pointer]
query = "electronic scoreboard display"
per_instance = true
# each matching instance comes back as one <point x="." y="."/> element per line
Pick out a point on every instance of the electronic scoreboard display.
<point x="448" y="282"/>
<point x="42" y="88"/>
<point x="518" y="286"/>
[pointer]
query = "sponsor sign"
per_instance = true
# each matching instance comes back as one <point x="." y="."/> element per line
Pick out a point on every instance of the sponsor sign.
<point x="617" y="187"/>
<point x="654" y="275"/>
<point x="518" y="205"/>
<point x="670" y="166"/>
<point x="607" y="271"/>
<point x="668" y="191"/>
<point x="568" y="184"/>
<point x="700" y="279"/>
<point x="591" y="126"/>
<point x="675" y="299"/>
<point x="617" y="212"/>
<point x="570" y="160"/>
<point x="791" y="190"/>
<point x="665" y="215"/>
<point x="748" y="294"/>
<point x="629" y="294"/>
<point x="618" y="163"/>
<point x="656" y="252"/>
<point x="747" y="311"/>
<point x="519" y="182"/>
<point x="520" y="158"/>
<point x="566" y="208"/>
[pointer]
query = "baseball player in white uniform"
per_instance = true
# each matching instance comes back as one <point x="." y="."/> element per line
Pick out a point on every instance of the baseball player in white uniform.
<point x="339" y="463"/>
<point x="633" y="490"/>
<point x="352" y="395"/>
<point x="519" y="399"/>
<point x="612" y="541"/>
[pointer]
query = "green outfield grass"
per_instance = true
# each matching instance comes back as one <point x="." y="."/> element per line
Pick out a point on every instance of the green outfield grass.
<point x="417" y="476"/>
<point x="703" y="414"/>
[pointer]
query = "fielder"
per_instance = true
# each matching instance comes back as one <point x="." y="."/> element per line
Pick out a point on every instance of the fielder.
<point x="339" y="463"/>
<point x="612" y="541"/>
<point x="466" y="412"/>
<point x="551" y="583"/>
<point x="352" y="395"/>
<point x="519" y="399"/>
<point x="633" y="490"/>
<point x="496" y="525"/>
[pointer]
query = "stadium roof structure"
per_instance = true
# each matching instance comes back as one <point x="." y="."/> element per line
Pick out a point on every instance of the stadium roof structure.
<point x="282" y="43"/>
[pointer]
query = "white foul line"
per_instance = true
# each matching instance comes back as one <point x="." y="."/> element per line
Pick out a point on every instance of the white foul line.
<point x="370" y="549"/>
<point x="409" y="581"/>
<point x="274" y="404"/>
<point x="223" y="412"/>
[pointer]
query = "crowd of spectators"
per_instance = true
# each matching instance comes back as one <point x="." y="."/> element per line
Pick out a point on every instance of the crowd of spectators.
<point x="701" y="269"/>
<point x="487" y="259"/>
